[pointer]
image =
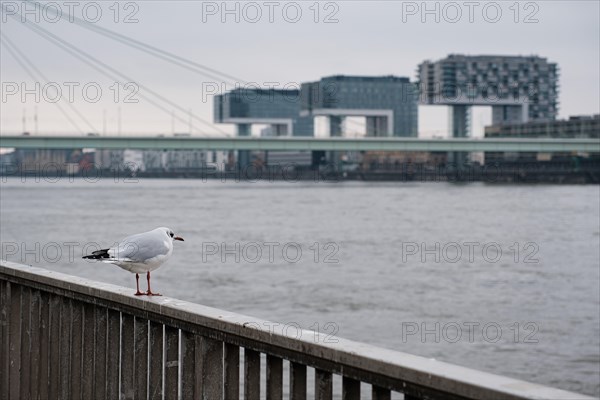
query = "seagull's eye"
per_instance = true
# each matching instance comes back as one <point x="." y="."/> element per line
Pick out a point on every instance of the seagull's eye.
<point x="172" y="234"/>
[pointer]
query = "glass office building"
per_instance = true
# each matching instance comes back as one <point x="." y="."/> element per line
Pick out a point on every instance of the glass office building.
<point x="277" y="108"/>
<point x="389" y="103"/>
<point x="519" y="88"/>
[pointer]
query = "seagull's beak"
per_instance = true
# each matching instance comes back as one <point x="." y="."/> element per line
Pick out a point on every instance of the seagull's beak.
<point x="178" y="238"/>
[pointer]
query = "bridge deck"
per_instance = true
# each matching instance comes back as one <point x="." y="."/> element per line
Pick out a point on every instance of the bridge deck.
<point x="304" y="143"/>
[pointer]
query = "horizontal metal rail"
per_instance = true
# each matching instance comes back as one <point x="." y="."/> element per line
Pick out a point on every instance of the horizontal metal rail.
<point x="298" y="143"/>
<point x="70" y="338"/>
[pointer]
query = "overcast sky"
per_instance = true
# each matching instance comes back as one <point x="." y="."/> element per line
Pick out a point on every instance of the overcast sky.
<point x="360" y="38"/>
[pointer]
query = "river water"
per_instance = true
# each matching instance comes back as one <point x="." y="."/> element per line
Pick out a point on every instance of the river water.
<point x="502" y="278"/>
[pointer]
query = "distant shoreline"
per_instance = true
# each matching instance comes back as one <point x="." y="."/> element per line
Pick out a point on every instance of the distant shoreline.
<point x="590" y="175"/>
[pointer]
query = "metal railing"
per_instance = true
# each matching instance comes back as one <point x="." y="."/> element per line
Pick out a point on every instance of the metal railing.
<point x="64" y="337"/>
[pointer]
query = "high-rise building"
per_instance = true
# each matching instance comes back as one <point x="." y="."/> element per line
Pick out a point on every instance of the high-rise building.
<point x="389" y="103"/>
<point x="519" y="88"/>
<point x="278" y="108"/>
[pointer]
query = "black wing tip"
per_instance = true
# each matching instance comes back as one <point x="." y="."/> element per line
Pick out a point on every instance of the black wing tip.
<point x="98" y="254"/>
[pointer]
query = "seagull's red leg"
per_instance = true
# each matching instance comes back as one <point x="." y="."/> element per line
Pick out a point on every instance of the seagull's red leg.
<point x="149" y="292"/>
<point x="137" y="284"/>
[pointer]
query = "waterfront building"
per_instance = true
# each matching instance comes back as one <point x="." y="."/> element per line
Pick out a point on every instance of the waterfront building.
<point x="581" y="126"/>
<point x="584" y="126"/>
<point x="518" y="88"/>
<point x="388" y="103"/>
<point x="277" y="108"/>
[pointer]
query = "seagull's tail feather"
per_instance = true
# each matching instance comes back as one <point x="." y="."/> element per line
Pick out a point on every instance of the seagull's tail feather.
<point x="98" y="255"/>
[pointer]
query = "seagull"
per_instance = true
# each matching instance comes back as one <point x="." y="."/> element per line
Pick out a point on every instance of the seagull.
<point x="139" y="253"/>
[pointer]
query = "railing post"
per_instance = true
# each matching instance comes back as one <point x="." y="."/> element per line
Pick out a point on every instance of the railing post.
<point x="127" y="355"/>
<point x="14" y="341"/>
<point x="65" y="349"/>
<point x="323" y="385"/>
<point x="54" y="309"/>
<point x="4" y="343"/>
<point x="140" y="377"/>
<point x="297" y="381"/>
<point x="89" y="333"/>
<point x="189" y="391"/>
<point x="350" y="389"/>
<point x="379" y="393"/>
<point x="156" y="361"/>
<point x="100" y="352"/>
<point x="76" y="348"/>
<point x="212" y="369"/>
<point x="34" y="344"/>
<point x="46" y="342"/>
<point x="232" y="371"/>
<point x="25" y="368"/>
<point x="113" y="365"/>
<point x="251" y="374"/>
<point x="274" y="378"/>
<point x="171" y="362"/>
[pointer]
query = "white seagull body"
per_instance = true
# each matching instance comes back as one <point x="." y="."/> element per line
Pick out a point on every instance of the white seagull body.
<point x="140" y="253"/>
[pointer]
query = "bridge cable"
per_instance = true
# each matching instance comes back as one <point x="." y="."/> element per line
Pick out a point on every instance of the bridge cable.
<point x="25" y="65"/>
<point x="73" y="50"/>
<point x="147" y="48"/>
<point x="44" y="78"/>
<point x="104" y="73"/>
<point x="68" y="48"/>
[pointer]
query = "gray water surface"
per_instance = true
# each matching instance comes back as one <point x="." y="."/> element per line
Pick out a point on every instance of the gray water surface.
<point x="539" y="300"/>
